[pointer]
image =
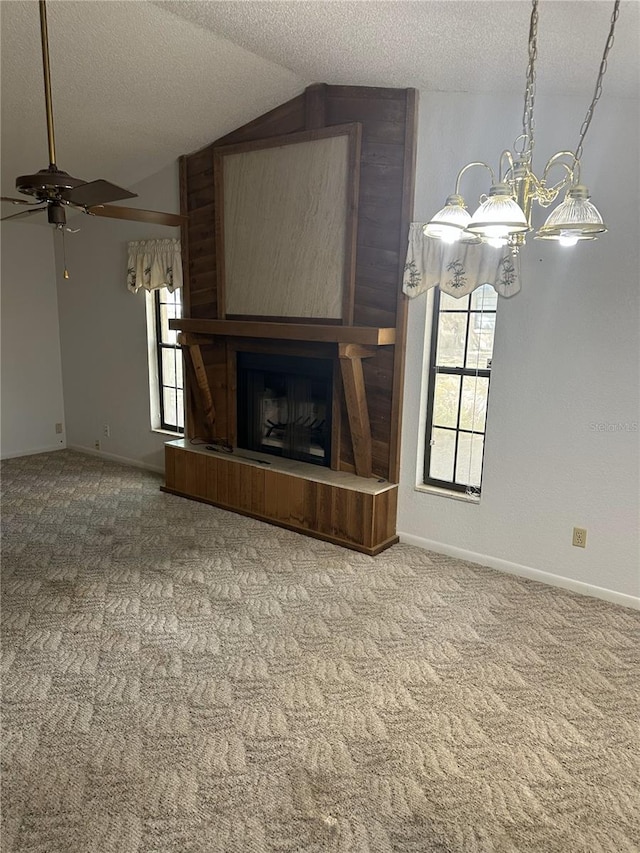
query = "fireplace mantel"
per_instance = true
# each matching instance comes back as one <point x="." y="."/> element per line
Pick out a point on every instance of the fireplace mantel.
<point x="364" y="335"/>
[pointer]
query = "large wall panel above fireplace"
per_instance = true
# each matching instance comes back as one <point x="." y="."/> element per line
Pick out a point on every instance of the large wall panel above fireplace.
<point x="286" y="225"/>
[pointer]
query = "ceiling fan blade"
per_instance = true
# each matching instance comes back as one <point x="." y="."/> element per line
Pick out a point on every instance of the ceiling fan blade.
<point x="96" y="192"/>
<point x="135" y="214"/>
<point x="16" y="200"/>
<point x="24" y="213"/>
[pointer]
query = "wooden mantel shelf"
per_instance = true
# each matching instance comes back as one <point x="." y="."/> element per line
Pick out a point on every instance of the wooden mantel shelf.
<point x="365" y="335"/>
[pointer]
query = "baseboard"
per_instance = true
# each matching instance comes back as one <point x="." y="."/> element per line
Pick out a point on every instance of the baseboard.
<point x="32" y="451"/>
<point x="523" y="571"/>
<point x="112" y="457"/>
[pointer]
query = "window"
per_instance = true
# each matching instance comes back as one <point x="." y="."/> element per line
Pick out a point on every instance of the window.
<point x="459" y="370"/>
<point x="165" y="361"/>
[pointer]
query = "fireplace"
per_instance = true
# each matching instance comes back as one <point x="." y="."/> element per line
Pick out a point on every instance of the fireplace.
<point x="284" y="406"/>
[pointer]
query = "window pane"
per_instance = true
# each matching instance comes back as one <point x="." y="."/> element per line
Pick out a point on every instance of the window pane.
<point x="449" y="303"/>
<point x="484" y="299"/>
<point x="475" y="390"/>
<point x="169" y="366"/>
<point x="446" y="399"/>
<point x="167" y="312"/>
<point x="179" y="381"/>
<point x="180" y="412"/>
<point x="171" y="298"/>
<point x="452" y="330"/>
<point x="443" y="445"/>
<point x="469" y="461"/>
<point x="481" y="333"/>
<point x="170" y="405"/>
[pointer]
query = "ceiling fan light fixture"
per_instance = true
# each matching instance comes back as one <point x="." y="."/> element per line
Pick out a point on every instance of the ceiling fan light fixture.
<point x="574" y="220"/>
<point x="56" y="214"/>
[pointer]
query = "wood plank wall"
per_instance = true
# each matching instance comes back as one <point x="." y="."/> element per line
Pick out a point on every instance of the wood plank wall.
<point x="388" y="119"/>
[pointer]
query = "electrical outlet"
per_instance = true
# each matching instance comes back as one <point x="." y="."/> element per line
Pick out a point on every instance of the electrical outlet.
<point x="58" y="429"/>
<point x="96" y="444"/>
<point x="106" y="430"/>
<point x="579" y="537"/>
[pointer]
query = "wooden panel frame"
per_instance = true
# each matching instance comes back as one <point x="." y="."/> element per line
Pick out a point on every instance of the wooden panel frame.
<point x="353" y="132"/>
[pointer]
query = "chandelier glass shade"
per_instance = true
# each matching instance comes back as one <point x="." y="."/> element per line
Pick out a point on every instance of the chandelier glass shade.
<point x="573" y="220"/>
<point x="449" y="223"/>
<point x="499" y="217"/>
<point x="504" y="216"/>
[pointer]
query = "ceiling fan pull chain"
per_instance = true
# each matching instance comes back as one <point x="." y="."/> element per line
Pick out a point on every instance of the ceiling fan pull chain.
<point x="47" y="83"/>
<point x="65" y="273"/>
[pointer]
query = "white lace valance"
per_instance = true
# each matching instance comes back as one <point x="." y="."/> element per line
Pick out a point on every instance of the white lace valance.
<point x="457" y="268"/>
<point x="154" y="264"/>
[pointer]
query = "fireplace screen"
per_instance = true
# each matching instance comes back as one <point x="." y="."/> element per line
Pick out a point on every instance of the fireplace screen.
<point x="284" y="406"/>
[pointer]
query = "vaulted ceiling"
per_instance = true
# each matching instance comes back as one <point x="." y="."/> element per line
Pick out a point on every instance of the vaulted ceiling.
<point x="136" y="84"/>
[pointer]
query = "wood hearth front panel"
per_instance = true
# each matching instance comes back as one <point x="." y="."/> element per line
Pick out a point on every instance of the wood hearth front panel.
<point x="362" y="519"/>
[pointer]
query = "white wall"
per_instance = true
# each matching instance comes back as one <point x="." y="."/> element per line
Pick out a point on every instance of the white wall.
<point x="566" y="358"/>
<point x="104" y="334"/>
<point x="31" y="373"/>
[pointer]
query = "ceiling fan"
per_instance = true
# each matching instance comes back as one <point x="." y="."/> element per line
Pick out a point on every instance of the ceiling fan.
<point x="53" y="189"/>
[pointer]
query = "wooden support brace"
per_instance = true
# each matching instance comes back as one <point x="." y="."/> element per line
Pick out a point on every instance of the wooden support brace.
<point x="193" y="355"/>
<point x="351" y="356"/>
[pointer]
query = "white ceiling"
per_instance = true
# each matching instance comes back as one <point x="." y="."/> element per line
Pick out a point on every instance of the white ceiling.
<point x="136" y="84"/>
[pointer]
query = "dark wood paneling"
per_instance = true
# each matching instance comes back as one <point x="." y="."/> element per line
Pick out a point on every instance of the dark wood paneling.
<point x="315" y="106"/>
<point x="408" y="186"/>
<point x="287" y="118"/>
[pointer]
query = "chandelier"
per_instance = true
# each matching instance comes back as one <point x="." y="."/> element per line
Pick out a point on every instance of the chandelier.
<point x="504" y="216"/>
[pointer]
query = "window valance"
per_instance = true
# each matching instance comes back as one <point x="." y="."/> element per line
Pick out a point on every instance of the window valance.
<point x="457" y="268"/>
<point x="154" y="264"/>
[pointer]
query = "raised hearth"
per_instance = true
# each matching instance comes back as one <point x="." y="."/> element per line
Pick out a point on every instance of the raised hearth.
<point x="355" y="512"/>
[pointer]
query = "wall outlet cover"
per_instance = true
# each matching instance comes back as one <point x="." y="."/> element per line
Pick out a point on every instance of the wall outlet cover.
<point x="579" y="537"/>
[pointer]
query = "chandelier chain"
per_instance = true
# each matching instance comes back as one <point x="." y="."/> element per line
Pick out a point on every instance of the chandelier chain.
<point x="598" y="89"/>
<point x="530" y="90"/>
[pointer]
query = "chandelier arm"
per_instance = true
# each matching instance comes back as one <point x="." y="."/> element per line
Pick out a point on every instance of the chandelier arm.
<point x="468" y="166"/>
<point x="573" y="171"/>
<point x="530" y="88"/>
<point x="506" y="154"/>
<point x="598" y="89"/>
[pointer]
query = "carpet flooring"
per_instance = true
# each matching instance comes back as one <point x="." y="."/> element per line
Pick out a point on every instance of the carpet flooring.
<point x="180" y="679"/>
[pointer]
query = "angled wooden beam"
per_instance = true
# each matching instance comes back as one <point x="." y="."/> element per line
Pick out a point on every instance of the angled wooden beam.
<point x="351" y="356"/>
<point x="193" y="356"/>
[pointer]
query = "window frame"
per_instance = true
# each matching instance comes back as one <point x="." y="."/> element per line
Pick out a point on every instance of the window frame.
<point x="433" y="371"/>
<point x="159" y="346"/>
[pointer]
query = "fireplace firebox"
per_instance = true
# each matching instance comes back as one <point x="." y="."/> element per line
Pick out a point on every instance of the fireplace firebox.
<point x="284" y="406"/>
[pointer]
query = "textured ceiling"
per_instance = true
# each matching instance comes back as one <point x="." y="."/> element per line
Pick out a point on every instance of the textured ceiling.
<point x="445" y="45"/>
<point x="138" y="83"/>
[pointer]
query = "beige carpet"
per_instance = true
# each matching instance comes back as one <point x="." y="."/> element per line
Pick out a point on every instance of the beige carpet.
<point x="179" y="679"/>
